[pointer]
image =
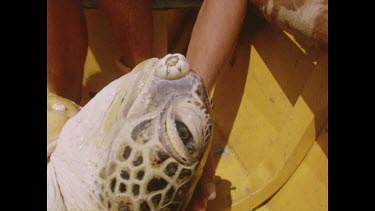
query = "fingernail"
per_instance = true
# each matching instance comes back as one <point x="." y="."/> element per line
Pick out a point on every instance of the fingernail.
<point x="211" y="191"/>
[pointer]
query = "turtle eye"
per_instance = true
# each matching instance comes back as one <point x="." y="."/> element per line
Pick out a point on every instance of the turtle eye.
<point x="185" y="136"/>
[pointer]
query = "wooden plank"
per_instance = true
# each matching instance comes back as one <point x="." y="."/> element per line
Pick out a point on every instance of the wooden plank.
<point x="287" y="62"/>
<point x="308" y="186"/>
<point x="283" y="157"/>
<point x="315" y="92"/>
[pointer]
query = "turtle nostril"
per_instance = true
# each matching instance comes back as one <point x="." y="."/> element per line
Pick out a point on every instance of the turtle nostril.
<point x="172" y="66"/>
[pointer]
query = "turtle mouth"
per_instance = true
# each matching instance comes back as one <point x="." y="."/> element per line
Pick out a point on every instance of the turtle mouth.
<point x="172" y="66"/>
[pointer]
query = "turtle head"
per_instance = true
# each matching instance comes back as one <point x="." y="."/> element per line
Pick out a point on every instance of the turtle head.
<point x="159" y="109"/>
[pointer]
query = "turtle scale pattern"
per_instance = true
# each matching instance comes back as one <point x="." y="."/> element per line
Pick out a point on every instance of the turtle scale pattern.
<point x="142" y="180"/>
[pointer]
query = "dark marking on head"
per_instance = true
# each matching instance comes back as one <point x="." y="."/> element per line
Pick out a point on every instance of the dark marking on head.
<point x="144" y="206"/>
<point x="101" y="198"/>
<point x="156" y="199"/>
<point x="125" y="174"/>
<point x="122" y="188"/>
<point x="169" y="195"/>
<point x="142" y="132"/>
<point x="184" y="174"/>
<point x="113" y="184"/>
<point x="112" y="168"/>
<point x="135" y="189"/>
<point x="138" y="161"/>
<point x="125" y="206"/>
<point x="140" y="175"/>
<point x="102" y="173"/>
<point x="162" y="155"/>
<point x="127" y="152"/>
<point x="156" y="184"/>
<point x="171" y="169"/>
<point x="109" y="205"/>
<point x="158" y="156"/>
<point x="199" y="90"/>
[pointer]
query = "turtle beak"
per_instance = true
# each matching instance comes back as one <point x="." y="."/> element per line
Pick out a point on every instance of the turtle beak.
<point x="172" y="66"/>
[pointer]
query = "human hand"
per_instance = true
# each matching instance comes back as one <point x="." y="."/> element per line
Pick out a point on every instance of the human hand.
<point x="206" y="187"/>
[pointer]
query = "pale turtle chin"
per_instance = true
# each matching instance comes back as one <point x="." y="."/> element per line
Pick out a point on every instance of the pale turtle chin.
<point x="155" y="116"/>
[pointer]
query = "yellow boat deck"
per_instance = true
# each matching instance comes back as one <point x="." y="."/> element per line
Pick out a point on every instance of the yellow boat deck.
<point x="271" y="114"/>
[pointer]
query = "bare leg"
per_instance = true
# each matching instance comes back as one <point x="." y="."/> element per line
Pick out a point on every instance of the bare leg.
<point x="215" y="32"/>
<point x="66" y="48"/>
<point x="131" y="23"/>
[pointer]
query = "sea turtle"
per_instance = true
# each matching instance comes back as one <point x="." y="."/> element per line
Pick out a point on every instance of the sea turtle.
<point x="139" y="144"/>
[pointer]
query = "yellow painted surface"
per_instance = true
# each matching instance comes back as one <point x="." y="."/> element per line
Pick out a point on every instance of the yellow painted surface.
<point x="307" y="189"/>
<point x="271" y="114"/>
<point x="271" y="126"/>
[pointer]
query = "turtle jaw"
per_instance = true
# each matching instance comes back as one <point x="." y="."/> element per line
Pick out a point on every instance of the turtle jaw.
<point x="172" y="67"/>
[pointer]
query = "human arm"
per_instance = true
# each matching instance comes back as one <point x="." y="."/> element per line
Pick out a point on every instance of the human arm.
<point x="214" y="35"/>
